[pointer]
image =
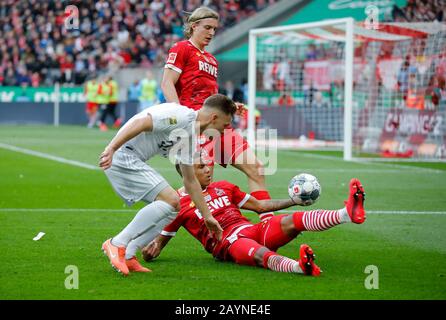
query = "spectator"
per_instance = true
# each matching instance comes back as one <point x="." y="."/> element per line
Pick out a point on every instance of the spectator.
<point x="9" y="79"/>
<point x="286" y="100"/>
<point x="232" y="92"/>
<point x="113" y="99"/>
<point x="312" y="52"/>
<point x="91" y="108"/>
<point x="35" y="80"/>
<point x="415" y="94"/>
<point x="319" y="101"/>
<point x="134" y="92"/>
<point x="66" y="68"/>
<point x="309" y="93"/>
<point x="438" y="92"/>
<point x="420" y="11"/>
<point x="244" y="88"/>
<point x="148" y="87"/>
<point x="23" y="78"/>
<point x="336" y="94"/>
<point x="403" y="77"/>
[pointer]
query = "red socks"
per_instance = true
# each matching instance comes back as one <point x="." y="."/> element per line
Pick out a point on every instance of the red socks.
<point x="316" y="220"/>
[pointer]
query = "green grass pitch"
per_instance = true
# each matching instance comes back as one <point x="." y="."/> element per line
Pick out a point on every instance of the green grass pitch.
<point x="78" y="210"/>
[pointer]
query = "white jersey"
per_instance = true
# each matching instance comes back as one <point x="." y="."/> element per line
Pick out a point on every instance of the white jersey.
<point x="173" y="134"/>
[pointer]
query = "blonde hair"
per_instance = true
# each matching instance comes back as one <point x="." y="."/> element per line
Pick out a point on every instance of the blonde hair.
<point x="198" y="14"/>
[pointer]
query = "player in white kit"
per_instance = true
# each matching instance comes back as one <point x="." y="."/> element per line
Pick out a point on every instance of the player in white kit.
<point x="170" y="130"/>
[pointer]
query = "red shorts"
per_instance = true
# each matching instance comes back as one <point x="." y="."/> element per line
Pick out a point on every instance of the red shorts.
<point x="242" y="246"/>
<point x="92" y="107"/>
<point x="224" y="149"/>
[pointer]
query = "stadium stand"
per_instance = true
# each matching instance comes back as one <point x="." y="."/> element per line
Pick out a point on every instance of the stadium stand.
<point x="37" y="50"/>
<point x="420" y="11"/>
<point x="286" y="73"/>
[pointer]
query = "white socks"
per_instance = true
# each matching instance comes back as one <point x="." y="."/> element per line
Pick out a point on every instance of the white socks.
<point x="146" y="220"/>
<point x="146" y="238"/>
<point x="283" y="264"/>
<point x="343" y="215"/>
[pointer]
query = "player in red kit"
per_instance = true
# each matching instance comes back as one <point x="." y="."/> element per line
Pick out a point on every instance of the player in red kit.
<point x="190" y="76"/>
<point x="190" y="72"/>
<point x="254" y="244"/>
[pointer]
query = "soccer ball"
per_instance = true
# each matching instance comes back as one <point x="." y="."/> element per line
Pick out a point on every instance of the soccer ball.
<point x="305" y="187"/>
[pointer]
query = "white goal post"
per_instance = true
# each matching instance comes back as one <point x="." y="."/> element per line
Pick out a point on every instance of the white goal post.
<point x="374" y="92"/>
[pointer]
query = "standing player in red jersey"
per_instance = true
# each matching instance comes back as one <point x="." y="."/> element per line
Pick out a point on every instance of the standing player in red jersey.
<point x="190" y="76"/>
<point x="248" y="244"/>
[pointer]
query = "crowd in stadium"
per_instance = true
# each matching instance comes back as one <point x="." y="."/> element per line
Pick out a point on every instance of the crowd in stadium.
<point x="420" y="11"/>
<point x="37" y="49"/>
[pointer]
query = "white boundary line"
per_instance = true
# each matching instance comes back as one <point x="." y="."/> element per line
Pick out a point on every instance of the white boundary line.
<point x="49" y="157"/>
<point x="390" y="212"/>
<point x="356" y="170"/>
<point x="407" y="169"/>
<point x="407" y="212"/>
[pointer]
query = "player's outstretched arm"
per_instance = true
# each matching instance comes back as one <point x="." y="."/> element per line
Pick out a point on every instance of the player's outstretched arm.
<point x="170" y="78"/>
<point x="154" y="248"/>
<point x="261" y="206"/>
<point x="130" y="130"/>
<point x="193" y="188"/>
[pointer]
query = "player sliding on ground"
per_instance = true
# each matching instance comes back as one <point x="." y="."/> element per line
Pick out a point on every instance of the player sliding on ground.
<point x="168" y="130"/>
<point x="248" y="244"/>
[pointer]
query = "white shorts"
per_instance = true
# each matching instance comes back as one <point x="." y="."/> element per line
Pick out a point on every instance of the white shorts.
<point x="133" y="179"/>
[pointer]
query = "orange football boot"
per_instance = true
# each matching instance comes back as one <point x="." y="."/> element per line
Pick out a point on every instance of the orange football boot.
<point x="116" y="256"/>
<point x="134" y="265"/>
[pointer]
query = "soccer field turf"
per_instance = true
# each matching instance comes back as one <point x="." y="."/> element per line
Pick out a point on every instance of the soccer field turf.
<point x="77" y="209"/>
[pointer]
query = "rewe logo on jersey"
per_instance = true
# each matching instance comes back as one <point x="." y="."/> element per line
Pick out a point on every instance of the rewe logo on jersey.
<point x="219" y="203"/>
<point x="206" y="67"/>
<point x="213" y="205"/>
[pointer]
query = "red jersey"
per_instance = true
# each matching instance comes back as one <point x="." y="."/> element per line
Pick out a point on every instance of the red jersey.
<point x="198" y="73"/>
<point x="224" y="200"/>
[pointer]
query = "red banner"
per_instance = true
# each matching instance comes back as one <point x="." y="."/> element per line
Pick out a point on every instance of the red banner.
<point x="408" y="133"/>
<point x="321" y="73"/>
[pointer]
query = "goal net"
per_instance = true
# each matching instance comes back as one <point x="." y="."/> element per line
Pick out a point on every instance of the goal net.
<point x="371" y="92"/>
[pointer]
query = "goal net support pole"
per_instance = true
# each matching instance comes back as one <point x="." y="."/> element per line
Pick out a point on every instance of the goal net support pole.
<point x="348" y="88"/>
<point x="376" y="91"/>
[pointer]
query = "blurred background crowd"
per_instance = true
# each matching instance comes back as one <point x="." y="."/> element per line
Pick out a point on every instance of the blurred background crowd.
<point x="36" y="49"/>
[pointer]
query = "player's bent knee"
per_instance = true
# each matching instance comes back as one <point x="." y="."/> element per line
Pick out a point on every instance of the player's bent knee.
<point x="288" y="225"/>
<point x="169" y="196"/>
<point x="254" y="171"/>
<point x="174" y="202"/>
<point x="260" y="255"/>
